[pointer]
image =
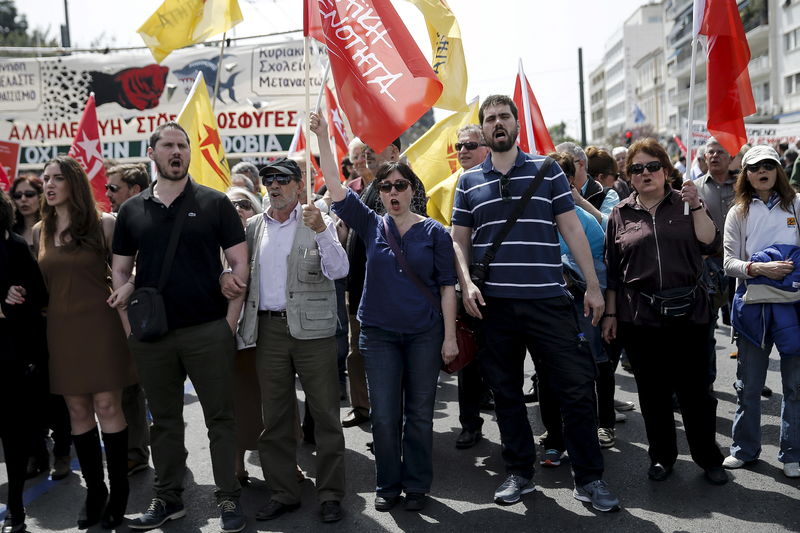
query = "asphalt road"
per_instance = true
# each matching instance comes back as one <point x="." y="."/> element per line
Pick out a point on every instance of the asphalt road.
<point x="759" y="498"/>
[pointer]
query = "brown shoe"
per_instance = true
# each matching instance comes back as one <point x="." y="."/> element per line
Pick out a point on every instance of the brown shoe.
<point x="354" y="418"/>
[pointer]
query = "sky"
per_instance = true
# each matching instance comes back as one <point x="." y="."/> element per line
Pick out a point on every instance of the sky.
<point x="545" y="34"/>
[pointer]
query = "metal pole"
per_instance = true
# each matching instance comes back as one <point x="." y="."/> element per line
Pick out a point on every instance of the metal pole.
<point x="583" y="106"/>
<point x="307" y="61"/>
<point x="689" y="120"/>
<point x="65" y="40"/>
<point x="219" y="72"/>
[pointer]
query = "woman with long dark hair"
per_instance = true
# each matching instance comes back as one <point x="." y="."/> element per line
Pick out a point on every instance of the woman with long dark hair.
<point x="89" y="359"/>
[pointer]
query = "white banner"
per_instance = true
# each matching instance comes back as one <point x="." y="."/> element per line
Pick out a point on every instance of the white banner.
<point x="769" y="134"/>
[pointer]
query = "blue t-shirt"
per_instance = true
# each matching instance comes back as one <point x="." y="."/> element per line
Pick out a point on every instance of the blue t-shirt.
<point x="597" y="243"/>
<point x="391" y="301"/>
<point x="528" y="263"/>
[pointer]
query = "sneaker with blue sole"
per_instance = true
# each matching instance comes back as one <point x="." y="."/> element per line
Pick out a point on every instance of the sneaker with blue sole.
<point x="512" y="490"/>
<point x="598" y="494"/>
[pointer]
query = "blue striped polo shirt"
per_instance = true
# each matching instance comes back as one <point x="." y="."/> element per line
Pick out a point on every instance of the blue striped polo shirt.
<point x="528" y="263"/>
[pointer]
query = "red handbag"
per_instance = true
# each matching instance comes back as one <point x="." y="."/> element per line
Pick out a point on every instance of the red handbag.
<point x="467" y="346"/>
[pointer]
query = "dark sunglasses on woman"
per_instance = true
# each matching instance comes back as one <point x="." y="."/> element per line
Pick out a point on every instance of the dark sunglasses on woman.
<point x="638" y="168"/>
<point x="400" y="185"/>
<point x="27" y="194"/>
<point x="766" y="165"/>
<point x="244" y="203"/>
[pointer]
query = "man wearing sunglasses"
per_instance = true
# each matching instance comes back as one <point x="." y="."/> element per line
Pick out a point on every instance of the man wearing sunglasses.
<point x="290" y="315"/>
<point x="125" y="181"/>
<point x="523" y="303"/>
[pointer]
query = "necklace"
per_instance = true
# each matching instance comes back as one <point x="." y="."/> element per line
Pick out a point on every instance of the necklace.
<point x="654" y="206"/>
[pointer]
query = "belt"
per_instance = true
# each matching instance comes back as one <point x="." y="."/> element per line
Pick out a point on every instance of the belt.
<point x="273" y="314"/>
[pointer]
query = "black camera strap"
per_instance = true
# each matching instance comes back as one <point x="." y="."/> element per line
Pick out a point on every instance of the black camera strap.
<point x="488" y="257"/>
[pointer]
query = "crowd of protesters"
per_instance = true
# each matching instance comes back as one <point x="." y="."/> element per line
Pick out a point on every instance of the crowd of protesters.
<point x="577" y="259"/>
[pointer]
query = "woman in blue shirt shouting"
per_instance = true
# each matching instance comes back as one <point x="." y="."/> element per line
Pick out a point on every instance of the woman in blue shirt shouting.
<point x="405" y="337"/>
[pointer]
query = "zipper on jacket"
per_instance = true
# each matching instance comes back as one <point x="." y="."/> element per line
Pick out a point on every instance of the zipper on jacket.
<point x="658" y="255"/>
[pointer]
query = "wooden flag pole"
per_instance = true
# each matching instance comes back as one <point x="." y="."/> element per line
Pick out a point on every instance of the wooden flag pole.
<point x="689" y="120"/>
<point x="307" y="63"/>
<point x="219" y="72"/>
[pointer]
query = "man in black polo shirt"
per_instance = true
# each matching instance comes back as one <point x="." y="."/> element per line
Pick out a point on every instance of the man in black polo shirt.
<point x="201" y="321"/>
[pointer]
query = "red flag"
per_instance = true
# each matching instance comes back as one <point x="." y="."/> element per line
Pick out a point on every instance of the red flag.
<point x="531" y="121"/>
<point x="5" y="183"/>
<point x="680" y="144"/>
<point x="296" y="148"/>
<point x="383" y="80"/>
<point x="337" y="129"/>
<point x="729" y="94"/>
<point x="87" y="151"/>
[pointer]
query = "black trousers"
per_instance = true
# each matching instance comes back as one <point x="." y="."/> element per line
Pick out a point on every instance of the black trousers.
<point x="666" y="359"/>
<point x="547" y="328"/>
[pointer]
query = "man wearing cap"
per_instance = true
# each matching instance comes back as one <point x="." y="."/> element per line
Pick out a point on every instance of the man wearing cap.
<point x="290" y="314"/>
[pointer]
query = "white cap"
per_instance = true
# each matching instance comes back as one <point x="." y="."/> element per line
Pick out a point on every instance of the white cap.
<point x="760" y="153"/>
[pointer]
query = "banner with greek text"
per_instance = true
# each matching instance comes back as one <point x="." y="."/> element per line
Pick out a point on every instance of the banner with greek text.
<point x="259" y="101"/>
<point x="769" y="134"/>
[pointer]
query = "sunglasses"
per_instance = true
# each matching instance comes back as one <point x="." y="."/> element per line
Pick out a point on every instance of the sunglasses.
<point x="638" y="168"/>
<point x="244" y="203"/>
<point x="504" y="192"/>
<point x="282" y="179"/>
<point x="26" y="194"/>
<point x="468" y="146"/>
<point x="400" y="185"/>
<point x="111" y="187"/>
<point x="766" y="165"/>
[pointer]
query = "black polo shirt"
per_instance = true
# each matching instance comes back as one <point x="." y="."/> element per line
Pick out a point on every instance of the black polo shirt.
<point x="192" y="294"/>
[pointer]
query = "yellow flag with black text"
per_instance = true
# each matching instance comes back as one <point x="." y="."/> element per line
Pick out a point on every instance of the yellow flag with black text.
<point x="209" y="166"/>
<point x="448" y="53"/>
<point x="179" y="23"/>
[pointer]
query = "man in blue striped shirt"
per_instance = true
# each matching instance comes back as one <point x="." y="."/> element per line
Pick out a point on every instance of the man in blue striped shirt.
<point x="523" y="303"/>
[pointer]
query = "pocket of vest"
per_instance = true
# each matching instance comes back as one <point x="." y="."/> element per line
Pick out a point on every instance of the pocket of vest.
<point x="310" y="272"/>
<point x="316" y="320"/>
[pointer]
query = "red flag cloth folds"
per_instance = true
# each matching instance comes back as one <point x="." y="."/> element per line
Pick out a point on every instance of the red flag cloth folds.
<point x="338" y="132"/>
<point x="297" y="148"/>
<point x="729" y="94"/>
<point x="383" y="81"/>
<point x="86" y="149"/>
<point x="531" y="121"/>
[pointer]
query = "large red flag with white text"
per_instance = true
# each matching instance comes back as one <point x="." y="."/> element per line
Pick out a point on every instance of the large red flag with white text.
<point x="729" y="94"/>
<point x="86" y="149"/>
<point x="533" y="135"/>
<point x="337" y="128"/>
<point x="383" y="81"/>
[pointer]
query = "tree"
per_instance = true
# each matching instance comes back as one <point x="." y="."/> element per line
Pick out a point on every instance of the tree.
<point x="558" y="132"/>
<point x="14" y="30"/>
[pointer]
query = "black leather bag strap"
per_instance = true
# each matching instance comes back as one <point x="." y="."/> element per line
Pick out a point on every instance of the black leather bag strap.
<point x="401" y="258"/>
<point x="488" y="257"/>
<point x="175" y="236"/>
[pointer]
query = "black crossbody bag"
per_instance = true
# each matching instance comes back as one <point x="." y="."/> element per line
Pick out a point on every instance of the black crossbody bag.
<point x="146" y="311"/>
<point x="479" y="271"/>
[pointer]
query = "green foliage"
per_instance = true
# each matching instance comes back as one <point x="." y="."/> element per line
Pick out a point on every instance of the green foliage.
<point x="14" y="29"/>
<point x="558" y="132"/>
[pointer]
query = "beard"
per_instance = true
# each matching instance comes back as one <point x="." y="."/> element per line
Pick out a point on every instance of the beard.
<point x="506" y="144"/>
<point x="163" y="174"/>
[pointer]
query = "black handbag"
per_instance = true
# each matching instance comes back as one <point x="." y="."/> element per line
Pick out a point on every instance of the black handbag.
<point x="673" y="303"/>
<point x="147" y="313"/>
<point x="479" y="271"/>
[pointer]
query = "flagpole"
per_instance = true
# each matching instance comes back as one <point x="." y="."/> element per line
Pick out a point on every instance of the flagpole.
<point x="322" y="87"/>
<point x="219" y="69"/>
<point x="689" y="119"/>
<point x="307" y="61"/>
<point x="526" y="111"/>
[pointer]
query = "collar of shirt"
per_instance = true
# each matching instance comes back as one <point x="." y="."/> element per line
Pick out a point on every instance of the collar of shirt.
<point x="487" y="165"/>
<point x="293" y="216"/>
<point x="705" y="178"/>
<point x="149" y="193"/>
<point x="772" y="201"/>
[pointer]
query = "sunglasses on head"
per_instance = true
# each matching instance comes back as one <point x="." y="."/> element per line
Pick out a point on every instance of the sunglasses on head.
<point x="111" y="187"/>
<point x="27" y="194"/>
<point x="282" y="179"/>
<point x="766" y="165"/>
<point x="400" y="185"/>
<point x="244" y="203"/>
<point x="468" y="146"/>
<point x="639" y="168"/>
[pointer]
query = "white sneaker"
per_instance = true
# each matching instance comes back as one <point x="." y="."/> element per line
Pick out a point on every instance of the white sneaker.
<point x="791" y="469"/>
<point x="732" y="462"/>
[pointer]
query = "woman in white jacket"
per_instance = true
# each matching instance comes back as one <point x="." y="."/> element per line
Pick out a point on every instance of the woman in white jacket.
<point x="765" y="213"/>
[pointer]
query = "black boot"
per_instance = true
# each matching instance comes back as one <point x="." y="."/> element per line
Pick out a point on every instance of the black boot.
<point x="90" y="457"/>
<point x="116" y="445"/>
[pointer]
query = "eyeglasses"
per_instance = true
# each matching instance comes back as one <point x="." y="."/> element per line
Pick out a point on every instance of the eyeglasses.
<point x="469" y="146"/>
<point x="400" y="185"/>
<point x="26" y="194"/>
<point x="111" y="187"/>
<point x="244" y="204"/>
<point x="766" y="165"/>
<point x="639" y="168"/>
<point x="282" y="179"/>
<point x="504" y="192"/>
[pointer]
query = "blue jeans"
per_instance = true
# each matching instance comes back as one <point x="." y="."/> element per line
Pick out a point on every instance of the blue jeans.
<point x="751" y="373"/>
<point x="402" y="369"/>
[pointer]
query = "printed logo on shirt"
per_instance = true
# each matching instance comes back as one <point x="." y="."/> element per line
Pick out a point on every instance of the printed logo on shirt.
<point x="192" y="214"/>
<point x="791" y="222"/>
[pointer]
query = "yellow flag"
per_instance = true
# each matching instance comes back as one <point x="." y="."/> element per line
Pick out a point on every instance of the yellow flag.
<point x="434" y="155"/>
<point x="179" y="23"/>
<point x="448" y="52"/>
<point x="208" y="166"/>
<point x="441" y="196"/>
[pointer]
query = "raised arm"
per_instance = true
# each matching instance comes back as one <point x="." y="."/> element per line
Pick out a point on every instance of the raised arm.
<point x="328" y="164"/>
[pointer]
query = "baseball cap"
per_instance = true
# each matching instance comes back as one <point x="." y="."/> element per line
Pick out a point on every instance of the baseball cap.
<point x="283" y="166"/>
<point x="760" y="153"/>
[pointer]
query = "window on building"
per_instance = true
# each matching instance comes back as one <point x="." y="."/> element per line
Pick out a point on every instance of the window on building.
<point x="792" y="83"/>
<point x="791" y="40"/>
